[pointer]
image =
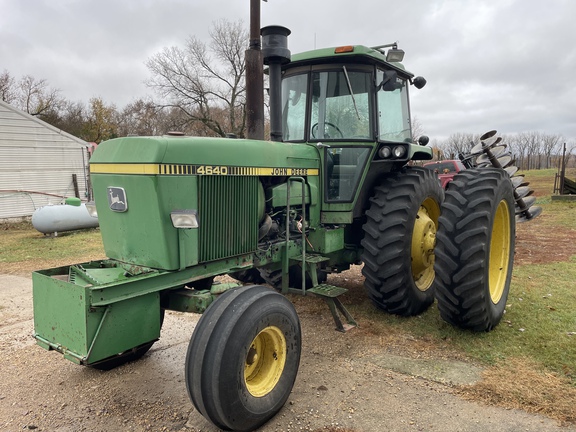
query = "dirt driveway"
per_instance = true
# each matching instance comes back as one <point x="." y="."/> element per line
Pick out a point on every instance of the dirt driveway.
<point x="347" y="382"/>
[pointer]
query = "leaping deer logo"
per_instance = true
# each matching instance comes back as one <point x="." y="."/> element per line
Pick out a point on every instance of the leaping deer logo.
<point x="117" y="199"/>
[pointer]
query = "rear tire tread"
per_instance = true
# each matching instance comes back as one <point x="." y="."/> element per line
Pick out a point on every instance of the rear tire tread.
<point x="387" y="238"/>
<point x="463" y="247"/>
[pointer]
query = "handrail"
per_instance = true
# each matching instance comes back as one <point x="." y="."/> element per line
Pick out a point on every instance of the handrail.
<point x="286" y="264"/>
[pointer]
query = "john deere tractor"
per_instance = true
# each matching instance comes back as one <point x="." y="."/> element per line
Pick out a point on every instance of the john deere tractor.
<point x="336" y="185"/>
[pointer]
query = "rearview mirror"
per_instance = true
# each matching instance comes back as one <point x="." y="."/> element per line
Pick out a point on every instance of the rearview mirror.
<point x="390" y="81"/>
<point x="419" y="82"/>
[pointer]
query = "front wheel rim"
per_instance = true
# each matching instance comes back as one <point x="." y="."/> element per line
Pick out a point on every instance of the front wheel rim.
<point x="265" y="361"/>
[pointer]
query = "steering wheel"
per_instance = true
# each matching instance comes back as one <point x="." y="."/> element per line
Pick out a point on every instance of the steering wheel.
<point x="315" y="129"/>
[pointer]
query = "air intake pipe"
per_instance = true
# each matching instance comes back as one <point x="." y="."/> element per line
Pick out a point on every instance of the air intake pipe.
<point x="275" y="53"/>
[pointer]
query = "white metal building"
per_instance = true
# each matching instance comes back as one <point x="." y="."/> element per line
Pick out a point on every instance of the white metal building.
<point x="39" y="164"/>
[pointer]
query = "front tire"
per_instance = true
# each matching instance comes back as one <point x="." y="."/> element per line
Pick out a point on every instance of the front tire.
<point x="475" y="251"/>
<point x="243" y="358"/>
<point x="399" y="240"/>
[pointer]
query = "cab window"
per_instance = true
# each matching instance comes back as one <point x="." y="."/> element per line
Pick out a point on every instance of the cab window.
<point x="344" y="168"/>
<point x="294" y="91"/>
<point x="340" y="105"/>
<point x="393" y="108"/>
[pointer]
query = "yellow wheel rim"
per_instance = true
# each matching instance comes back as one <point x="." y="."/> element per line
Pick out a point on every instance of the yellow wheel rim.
<point x="265" y="361"/>
<point x="499" y="252"/>
<point x="423" y="243"/>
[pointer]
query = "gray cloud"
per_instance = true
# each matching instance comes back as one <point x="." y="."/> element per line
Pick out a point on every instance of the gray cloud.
<point x="503" y="65"/>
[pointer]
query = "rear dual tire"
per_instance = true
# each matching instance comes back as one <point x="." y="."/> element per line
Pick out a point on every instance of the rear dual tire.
<point x="464" y="257"/>
<point x="475" y="249"/>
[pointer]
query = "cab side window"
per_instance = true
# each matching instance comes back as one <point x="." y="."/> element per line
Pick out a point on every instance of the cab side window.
<point x="344" y="167"/>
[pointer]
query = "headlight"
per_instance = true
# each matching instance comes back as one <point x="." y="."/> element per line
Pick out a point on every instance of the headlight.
<point x="399" y="151"/>
<point x="91" y="207"/>
<point x="184" y="218"/>
<point x="385" y="152"/>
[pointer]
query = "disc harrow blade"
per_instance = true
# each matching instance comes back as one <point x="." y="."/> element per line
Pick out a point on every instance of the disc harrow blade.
<point x="477" y="149"/>
<point x="489" y="152"/>
<point x="529" y="214"/>
<point x="500" y="162"/>
<point x="491" y="142"/>
<point x="524" y="204"/>
<point x="518" y="181"/>
<point x="497" y="152"/>
<point x="521" y="192"/>
<point x="511" y="170"/>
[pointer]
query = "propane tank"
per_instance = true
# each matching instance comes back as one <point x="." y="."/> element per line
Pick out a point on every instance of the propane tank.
<point x="52" y="219"/>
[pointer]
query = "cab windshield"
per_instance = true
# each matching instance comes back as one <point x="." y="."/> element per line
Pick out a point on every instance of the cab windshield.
<point x="336" y="105"/>
<point x="340" y="106"/>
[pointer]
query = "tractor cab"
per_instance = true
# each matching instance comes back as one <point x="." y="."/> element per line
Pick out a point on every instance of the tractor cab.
<point x="347" y="99"/>
<point x="351" y="103"/>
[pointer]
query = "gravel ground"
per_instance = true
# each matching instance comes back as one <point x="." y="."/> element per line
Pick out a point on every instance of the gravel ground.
<point x="346" y="383"/>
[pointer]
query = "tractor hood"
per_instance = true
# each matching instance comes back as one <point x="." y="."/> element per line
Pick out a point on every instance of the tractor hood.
<point x="215" y="152"/>
<point x="141" y="183"/>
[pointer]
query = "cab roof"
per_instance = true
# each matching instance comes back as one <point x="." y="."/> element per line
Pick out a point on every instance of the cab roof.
<point x="350" y="54"/>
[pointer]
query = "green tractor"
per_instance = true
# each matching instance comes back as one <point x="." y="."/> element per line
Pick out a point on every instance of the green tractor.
<point x="335" y="186"/>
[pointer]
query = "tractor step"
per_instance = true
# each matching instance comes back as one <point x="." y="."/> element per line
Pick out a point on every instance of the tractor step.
<point x="330" y="293"/>
<point x="311" y="258"/>
<point x="325" y="290"/>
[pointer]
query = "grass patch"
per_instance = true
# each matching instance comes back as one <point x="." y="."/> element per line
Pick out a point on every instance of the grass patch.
<point x="562" y="212"/>
<point x="538" y="323"/>
<point x="546" y="175"/>
<point x="542" y="181"/>
<point x="529" y="359"/>
<point x="537" y="391"/>
<point x="23" y="249"/>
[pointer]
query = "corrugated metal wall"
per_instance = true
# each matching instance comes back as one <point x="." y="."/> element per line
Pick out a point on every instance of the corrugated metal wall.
<point x="36" y="159"/>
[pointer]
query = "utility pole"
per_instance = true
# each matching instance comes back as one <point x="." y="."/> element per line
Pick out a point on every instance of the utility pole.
<point x="254" y="77"/>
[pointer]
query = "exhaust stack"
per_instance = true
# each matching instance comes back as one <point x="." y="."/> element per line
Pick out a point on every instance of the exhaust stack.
<point x="276" y="53"/>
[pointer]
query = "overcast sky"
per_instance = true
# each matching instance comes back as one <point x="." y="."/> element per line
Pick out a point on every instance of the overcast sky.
<point x="490" y="64"/>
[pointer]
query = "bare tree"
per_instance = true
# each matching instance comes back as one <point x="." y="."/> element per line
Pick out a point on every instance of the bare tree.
<point x="140" y="118"/>
<point x="530" y="142"/>
<point x="571" y="149"/>
<point x="143" y="117"/>
<point x="101" y="122"/>
<point x="7" y="87"/>
<point x="73" y="118"/>
<point x="206" y="82"/>
<point x="517" y="150"/>
<point x="417" y="128"/>
<point x="36" y="97"/>
<point x="458" y="143"/>
<point x="551" y="143"/>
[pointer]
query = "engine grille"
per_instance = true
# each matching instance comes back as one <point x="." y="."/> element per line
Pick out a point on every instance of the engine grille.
<point x="228" y="216"/>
